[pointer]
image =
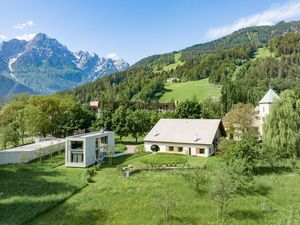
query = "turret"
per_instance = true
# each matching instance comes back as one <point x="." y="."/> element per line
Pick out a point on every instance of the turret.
<point x="265" y="107"/>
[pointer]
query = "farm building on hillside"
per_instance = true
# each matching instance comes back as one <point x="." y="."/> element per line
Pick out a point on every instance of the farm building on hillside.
<point x="85" y="149"/>
<point x="173" y="80"/>
<point x="195" y="137"/>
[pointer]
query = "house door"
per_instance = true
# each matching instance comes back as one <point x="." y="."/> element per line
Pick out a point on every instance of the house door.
<point x="190" y="151"/>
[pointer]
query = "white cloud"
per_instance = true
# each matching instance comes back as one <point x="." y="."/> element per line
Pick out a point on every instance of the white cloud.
<point x="22" y="26"/>
<point x="2" y="37"/>
<point x="285" y="11"/>
<point x="26" y="37"/>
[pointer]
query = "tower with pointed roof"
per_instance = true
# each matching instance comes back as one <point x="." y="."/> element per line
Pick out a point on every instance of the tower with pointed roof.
<point x="265" y="105"/>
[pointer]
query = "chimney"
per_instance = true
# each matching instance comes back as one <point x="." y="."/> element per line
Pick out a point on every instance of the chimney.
<point x="196" y="137"/>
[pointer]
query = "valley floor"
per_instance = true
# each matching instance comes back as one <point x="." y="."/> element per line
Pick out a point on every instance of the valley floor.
<point x="35" y="193"/>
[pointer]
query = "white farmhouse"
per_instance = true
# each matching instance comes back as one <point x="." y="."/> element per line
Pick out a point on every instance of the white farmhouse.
<point x="195" y="137"/>
<point x="85" y="149"/>
<point x="265" y="105"/>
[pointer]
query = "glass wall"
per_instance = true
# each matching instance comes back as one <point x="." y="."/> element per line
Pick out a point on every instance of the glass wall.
<point x="104" y="140"/>
<point x="76" y="151"/>
<point x="76" y="157"/>
<point x="77" y="145"/>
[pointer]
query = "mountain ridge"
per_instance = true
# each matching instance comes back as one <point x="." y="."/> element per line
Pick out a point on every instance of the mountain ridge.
<point x="46" y="66"/>
<point x="254" y="35"/>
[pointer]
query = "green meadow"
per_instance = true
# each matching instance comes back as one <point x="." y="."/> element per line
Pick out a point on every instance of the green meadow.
<point x="48" y="193"/>
<point x="201" y="89"/>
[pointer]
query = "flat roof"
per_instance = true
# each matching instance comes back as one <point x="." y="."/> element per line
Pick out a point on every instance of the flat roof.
<point x="91" y="134"/>
<point x="34" y="146"/>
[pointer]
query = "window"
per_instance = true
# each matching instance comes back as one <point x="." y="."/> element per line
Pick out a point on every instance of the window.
<point x="180" y="149"/>
<point x="154" y="148"/>
<point x="76" y="157"/>
<point x="76" y="145"/>
<point x="171" y="148"/>
<point x="263" y="109"/>
<point x="200" y="150"/>
<point x="96" y="143"/>
<point x="104" y="140"/>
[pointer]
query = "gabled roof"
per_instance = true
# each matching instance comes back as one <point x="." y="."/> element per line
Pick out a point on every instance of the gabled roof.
<point x="192" y="131"/>
<point x="269" y="97"/>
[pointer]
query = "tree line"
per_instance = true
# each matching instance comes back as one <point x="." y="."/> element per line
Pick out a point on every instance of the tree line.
<point x="26" y="116"/>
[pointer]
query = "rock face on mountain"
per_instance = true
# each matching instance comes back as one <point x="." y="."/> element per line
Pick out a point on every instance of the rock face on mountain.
<point x="43" y="65"/>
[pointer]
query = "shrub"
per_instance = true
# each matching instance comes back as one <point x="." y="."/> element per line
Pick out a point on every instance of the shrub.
<point x="97" y="167"/>
<point x="140" y="148"/>
<point x="87" y="177"/>
<point x="223" y="147"/>
<point x="197" y="178"/>
<point x="91" y="171"/>
<point x="120" y="148"/>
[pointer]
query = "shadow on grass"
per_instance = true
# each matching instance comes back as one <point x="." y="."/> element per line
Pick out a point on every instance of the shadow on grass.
<point x="25" y="181"/>
<point x="25" y="192"/>
<point x="75" y="217"/>
<point x="278" y="169"/>
<point x="183" y="220"/>
<point x="261" y="189"/>
<point x="241" y="214"/>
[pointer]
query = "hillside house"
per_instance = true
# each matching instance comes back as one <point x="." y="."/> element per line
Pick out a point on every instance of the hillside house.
<point x="195" y="137"/>
<point x="85" y="149"/>
<point x="94" y="106"/>
<point x="173" y="80"/>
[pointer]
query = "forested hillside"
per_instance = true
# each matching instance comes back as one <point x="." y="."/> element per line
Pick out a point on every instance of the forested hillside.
<point x="255" y="36"/>
<point x="246" y="63"/>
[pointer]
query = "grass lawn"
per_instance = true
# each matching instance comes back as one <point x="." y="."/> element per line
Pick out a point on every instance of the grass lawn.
<point x="115" y="199"/>
<point x="31" y="189"/>
<point x="164" y="159"/>
<point x="187" y="90"/>
<point x="129" y="140"/>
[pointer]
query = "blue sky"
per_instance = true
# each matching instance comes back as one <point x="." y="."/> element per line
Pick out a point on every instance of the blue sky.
<point x="134" y="29"/>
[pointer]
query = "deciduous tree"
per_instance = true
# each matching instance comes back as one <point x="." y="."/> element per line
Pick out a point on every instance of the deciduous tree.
<point x="282" y="128"/>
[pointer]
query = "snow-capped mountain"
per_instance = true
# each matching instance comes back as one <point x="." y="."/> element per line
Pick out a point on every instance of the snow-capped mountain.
<point x="46" y="66"/>
<point x="95" y="66"/>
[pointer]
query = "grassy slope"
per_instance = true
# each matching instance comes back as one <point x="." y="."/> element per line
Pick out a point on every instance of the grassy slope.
<point x="263" y="53"/>
<point x="30" y="189"/>
<point x="115" y="199"/>
<point x="186" y="90"/>
<point x="172" y="66"/>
